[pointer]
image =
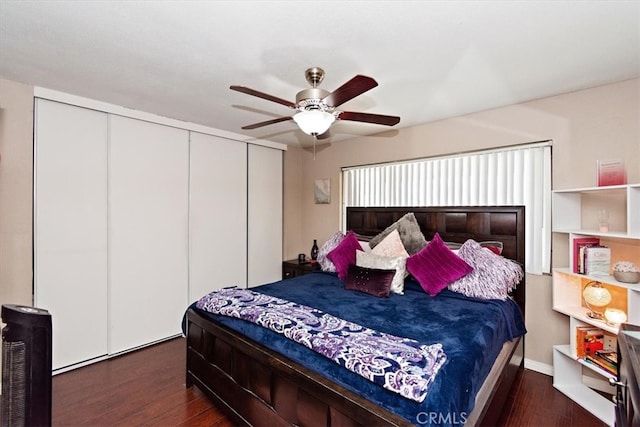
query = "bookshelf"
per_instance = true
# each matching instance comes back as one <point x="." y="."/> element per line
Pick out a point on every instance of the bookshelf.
<point x="575" y="214"/>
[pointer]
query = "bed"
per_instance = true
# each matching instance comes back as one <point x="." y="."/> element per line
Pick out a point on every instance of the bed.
<point x="268" y="384"/>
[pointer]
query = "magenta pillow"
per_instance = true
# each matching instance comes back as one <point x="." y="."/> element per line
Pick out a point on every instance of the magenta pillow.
<point x="435" y="266"/>
<point x="372" y="281"/>
<point x="345" y="254"/>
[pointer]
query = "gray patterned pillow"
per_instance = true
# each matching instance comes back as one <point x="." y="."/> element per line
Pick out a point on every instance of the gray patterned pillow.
<point x="493" y="276"/>
<point x="328" y="246"/>
<point x="410" y="234"/>
<point x="495" y="246"/>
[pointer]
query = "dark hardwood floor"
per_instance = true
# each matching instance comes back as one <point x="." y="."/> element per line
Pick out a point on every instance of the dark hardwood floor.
<point x="147" y="387"/>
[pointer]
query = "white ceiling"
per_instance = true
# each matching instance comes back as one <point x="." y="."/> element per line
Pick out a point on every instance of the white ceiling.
<point x="432" y="59"/>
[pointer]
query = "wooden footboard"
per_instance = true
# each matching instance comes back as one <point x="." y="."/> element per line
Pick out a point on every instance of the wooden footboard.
<point x="256" y="386"/>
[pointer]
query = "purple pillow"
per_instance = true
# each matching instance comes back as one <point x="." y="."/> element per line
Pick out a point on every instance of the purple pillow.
<point x="345" y="254"/>
<point x="372" y="281"/>
<point x="435" y="266"/>
<point x="493" y="276"/>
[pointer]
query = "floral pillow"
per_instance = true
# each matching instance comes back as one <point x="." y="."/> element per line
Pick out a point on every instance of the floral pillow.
<point x="345" y="254"/>
<point x="397" y="264"/>
<point x="328" y="246"/>
<point x="493" y="276"/>
<point x="435" y="266"/>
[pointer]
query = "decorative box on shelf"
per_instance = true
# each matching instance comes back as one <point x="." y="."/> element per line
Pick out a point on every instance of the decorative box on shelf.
<point x="611" y="172"/>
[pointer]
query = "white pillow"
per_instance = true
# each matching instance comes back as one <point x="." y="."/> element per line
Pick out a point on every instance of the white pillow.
<point x="365" y="245"/>
<point x="391" y="246"/>
<point x="370" y="260"/>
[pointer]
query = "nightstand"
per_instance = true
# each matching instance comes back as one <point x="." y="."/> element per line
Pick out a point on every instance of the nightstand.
<point x="292" y="268"/>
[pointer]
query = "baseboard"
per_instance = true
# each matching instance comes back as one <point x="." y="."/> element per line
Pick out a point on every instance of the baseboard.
<point x="540" y="367"/>
<point x="83" y="363"/>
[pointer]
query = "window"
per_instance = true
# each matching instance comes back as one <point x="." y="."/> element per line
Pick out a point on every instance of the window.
<point x="518" y="175"/>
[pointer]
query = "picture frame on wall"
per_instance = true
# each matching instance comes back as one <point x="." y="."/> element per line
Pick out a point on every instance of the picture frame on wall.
<point x="322" y="191"/>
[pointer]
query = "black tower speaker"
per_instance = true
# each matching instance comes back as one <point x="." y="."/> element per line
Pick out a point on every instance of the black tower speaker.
<point x="26" y="366"/>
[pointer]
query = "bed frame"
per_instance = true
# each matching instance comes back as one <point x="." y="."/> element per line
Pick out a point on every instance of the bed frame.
<point x="257" y="386"/>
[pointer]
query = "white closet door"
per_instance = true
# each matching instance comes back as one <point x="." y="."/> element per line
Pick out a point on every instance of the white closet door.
<point x="218" y="214"/>
<point x="148" y="205"/>
<point x="70" y="228"/>
<point x="265" y="215"/>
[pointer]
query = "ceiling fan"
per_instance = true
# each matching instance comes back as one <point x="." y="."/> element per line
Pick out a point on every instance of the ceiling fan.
<point x="317" y="107"/>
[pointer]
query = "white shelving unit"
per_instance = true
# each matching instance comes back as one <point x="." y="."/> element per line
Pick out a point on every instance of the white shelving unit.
<point x="575" y="215"/>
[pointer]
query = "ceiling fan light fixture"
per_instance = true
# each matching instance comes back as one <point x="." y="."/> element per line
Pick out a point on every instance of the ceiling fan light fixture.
<point x="314" y="122"/>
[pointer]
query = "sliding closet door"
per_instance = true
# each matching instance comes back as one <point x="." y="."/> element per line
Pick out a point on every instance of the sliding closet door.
<point x="265" y="215"/>
<point x="148" y="206"/>
<point x="70" y="228"/>
<point x="218" y="214"/>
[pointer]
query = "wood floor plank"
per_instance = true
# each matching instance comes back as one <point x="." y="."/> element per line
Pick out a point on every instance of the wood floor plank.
<point x="147" y="387"/>
<point x="534" y="402"/>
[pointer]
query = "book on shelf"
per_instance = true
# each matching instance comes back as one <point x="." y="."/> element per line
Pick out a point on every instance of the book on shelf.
<point x="578" y="244"/>
<point x="599" y="361"/>
<point x="589" y="339"/>
<point x="597" y="260"/>
<point x="608" y="355"/>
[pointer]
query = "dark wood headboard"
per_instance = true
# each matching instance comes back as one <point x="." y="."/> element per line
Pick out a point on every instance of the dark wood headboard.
<point x="454" y="224"/>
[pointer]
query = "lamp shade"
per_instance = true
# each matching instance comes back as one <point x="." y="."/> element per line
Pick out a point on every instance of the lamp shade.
<point x="596" y="298"/>
<point x="615" y="316"/>
<point x="314" y="122"/>
<point x="596" y="295"/>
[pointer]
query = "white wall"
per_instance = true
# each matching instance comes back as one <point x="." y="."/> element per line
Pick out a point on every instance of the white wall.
<point x="16" y="180"/>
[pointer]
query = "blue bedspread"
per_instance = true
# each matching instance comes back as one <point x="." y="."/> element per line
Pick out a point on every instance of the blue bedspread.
<point x="398" y="364"/>
<point x="471" y="331"/>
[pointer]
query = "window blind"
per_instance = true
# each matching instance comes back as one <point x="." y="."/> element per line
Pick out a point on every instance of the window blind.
<point x="519" y="175"/>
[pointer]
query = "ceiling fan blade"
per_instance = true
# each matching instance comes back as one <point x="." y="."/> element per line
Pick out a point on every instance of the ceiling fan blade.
<point x="354" y="87"/>
<point x="268" y="122"/>
<point x="369" y="118"/>
<point x="262" y="95"/>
